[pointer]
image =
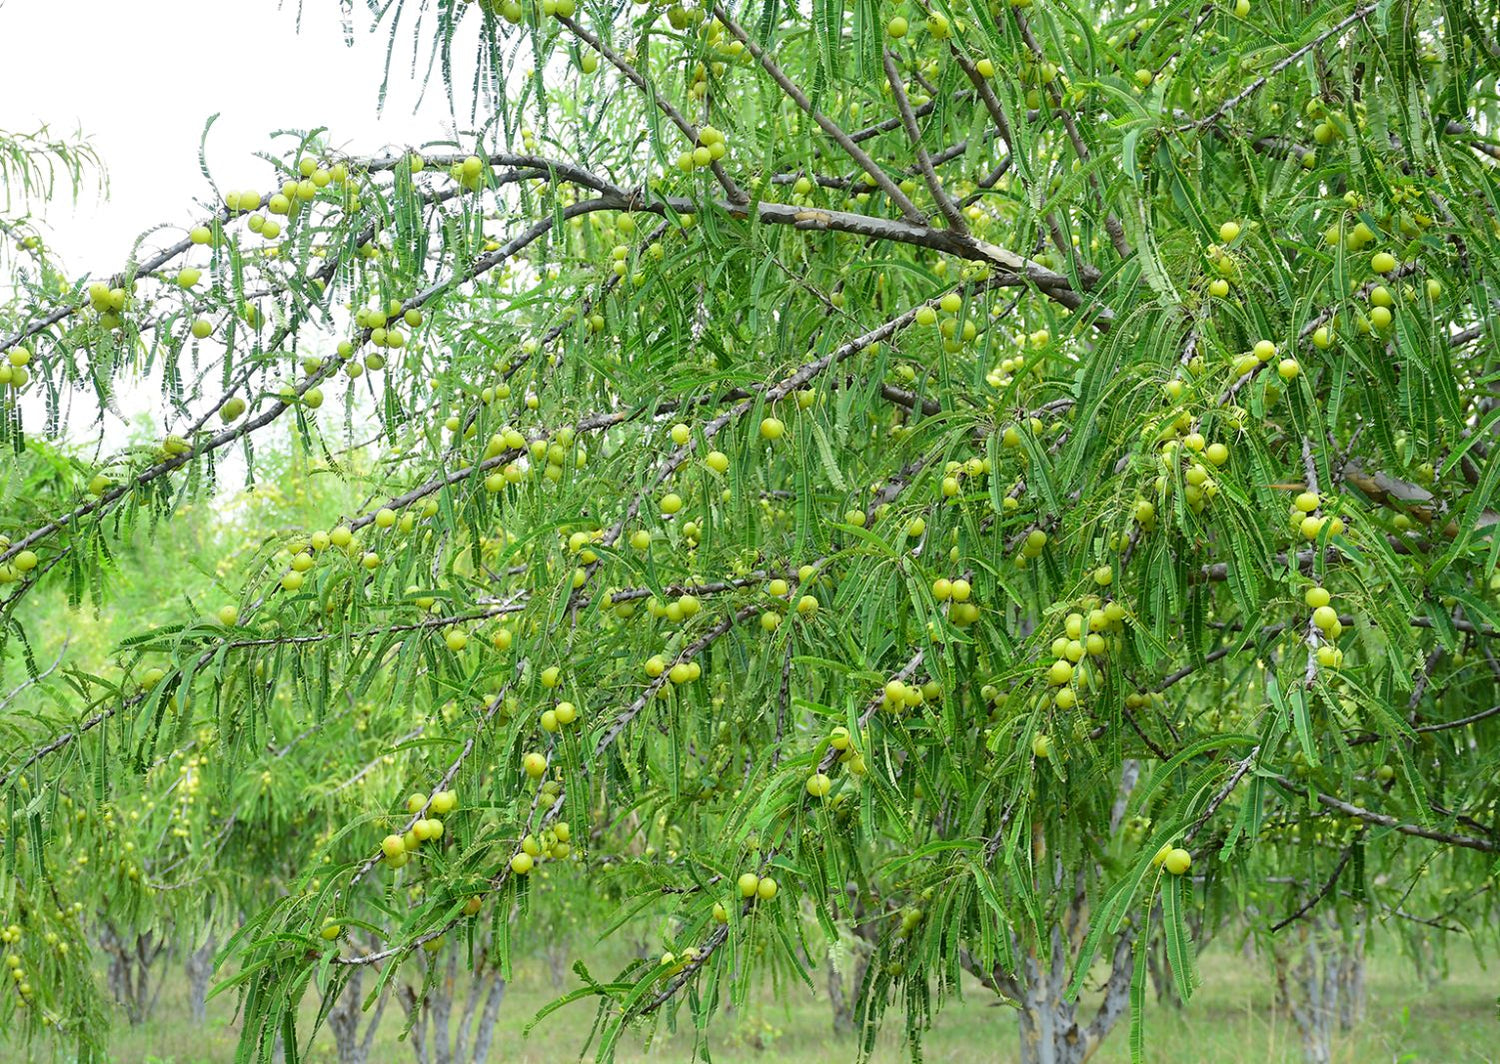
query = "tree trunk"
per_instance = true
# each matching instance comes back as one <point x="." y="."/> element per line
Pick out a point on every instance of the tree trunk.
<point x="446" y="1030"/>
<point x="131" y="957"/>
<point x="1050" y="1029"/>
<point x="1352" y="978"/>
<point x="856" y="960"/>
<point x="200" y="969"/>
<point x="852" y="952"/>
<point x="1320" y="981"/>
<point x="351" y="1044"/>
<point x="557" y="963"/>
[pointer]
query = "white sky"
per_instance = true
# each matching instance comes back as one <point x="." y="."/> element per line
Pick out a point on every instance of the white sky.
<point x="140" y="81"/>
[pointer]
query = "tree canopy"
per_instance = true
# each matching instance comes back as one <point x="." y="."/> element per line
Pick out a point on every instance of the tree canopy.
<point x="1016" y="475"/>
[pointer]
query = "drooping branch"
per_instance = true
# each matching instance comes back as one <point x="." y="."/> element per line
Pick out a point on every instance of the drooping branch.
<point x="1276" y="68"/>
<point x="1468" y="842"/>
<point x="907" y="208"/>
<point x="924" y="161"/>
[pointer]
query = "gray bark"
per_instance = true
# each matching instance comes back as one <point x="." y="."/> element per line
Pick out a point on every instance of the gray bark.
<point x="860" y="947"/>
<point x="448" y="1027"/>
<point x="1051" y="1029"/>
<point x="200" y="969"/>
<point x="1320" y="980"/>
<point x="345" y="1018"/>
<point x="131" y="958"/>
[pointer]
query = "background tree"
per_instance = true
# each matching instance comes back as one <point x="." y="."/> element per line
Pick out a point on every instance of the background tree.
<point x="1032" y="465"/>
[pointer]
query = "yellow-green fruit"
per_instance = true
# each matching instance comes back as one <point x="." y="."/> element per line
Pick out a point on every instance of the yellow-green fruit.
<point x="772" y="428"/>
<point x="818" y="785"/>
<point x="765" y="890"/>
<point x="522" y="863"/>
<point x="1177" y="861"/>
<point x="535" y="765"/>
<point x="749" y="882"/>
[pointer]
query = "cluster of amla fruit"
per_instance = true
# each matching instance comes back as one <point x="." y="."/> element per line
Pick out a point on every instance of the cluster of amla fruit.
<point x="1308" y="520"/>
<point x="549" y="457"/>
<point x="1326" y="619"/>
<point x="954" y="473"/>
<point x="1087" y="636"/>
<point x="849" y="756"/>
<point x="17" y="568"/>
<point x="397" y="849"/>
<point x="1174" y="859"/>
<point x="753" y="888"/>
<point x="110" y="303"/>
<point x="1381" y="310"/>
<point x="673" y="963"/>
<point x="955" y="332"/>
<point x="957" y="593"/>
<point x="553" y="843"/>
<point x="897" y="696"/>
<point x="1197" y="459"/>
<point x="384" y="326"/>
<point x="1222" y="260"/>
<point x="680" y="672"/>
<point x="1264" y="351"/>
<point x="15" y="368"/>
<point x="469" y="172"/>
<point x="711" y="147"/>
<point x="9" y="936"/>
<point x="581" y="544"/>
<point x="310" y="397"/>
<point x="1004" y="371"/>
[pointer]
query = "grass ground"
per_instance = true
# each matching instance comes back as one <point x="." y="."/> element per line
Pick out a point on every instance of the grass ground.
<point x="1229" y="1020"/>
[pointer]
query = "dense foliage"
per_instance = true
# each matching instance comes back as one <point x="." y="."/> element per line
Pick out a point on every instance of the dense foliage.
<point x="1019" y="479"/>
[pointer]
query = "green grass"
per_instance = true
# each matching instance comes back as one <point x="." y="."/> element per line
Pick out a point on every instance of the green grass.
<point x="1230" y="1019"/>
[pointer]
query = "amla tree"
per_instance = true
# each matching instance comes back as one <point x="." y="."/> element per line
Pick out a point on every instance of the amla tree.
<point x="1014" y="475"/>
